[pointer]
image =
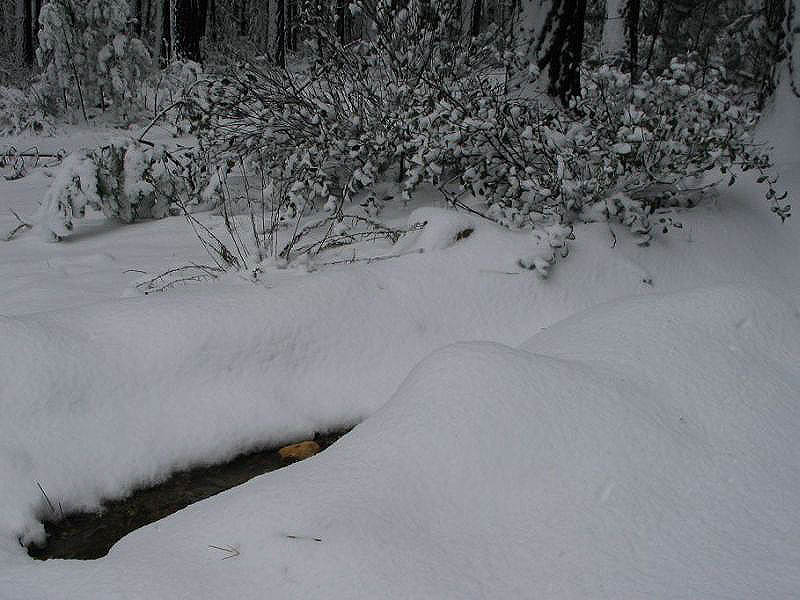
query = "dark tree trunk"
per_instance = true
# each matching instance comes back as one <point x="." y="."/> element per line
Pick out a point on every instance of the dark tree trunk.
<point x="280" y="34"/>
<point x="560" y="48"/>
<point x="27" y="34"/>
<point x="654" y="34"/>
<point x="138" y="16"/>
<point x="165" y="43"/>
<point x="211" y="20"/>
<point x="244" y="19"/>
<point x="190" y="25"/>
<point x="632" y="12"/>
<point x="477" y="17"/>
<point x="37" y="9"/>
<point x="292" y="25"/>
<point x="342" y="15"/>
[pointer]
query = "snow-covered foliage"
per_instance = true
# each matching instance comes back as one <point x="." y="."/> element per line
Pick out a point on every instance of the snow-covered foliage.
<point x="23" y="112"/>
<point x="325" y="128"/>
<point x="436" y="110"/>
<point x="643" y="144"/>
<point x="170" y="85"/>
<point x="460" y="115"/>
<point x="88" y="56"/>
<point x="124" y="179"/>
<point x="743" y="37"/>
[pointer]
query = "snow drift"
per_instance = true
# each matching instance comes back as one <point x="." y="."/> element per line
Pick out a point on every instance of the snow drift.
<point x="643" y="449"/>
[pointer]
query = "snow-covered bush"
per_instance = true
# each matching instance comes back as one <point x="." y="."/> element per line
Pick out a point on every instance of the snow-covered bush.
<point x="23" y="112"/>
<point x="340" y="124"/>
<point x="644" y="144"/>
<point x="126" y="180"/>
<point x="414" y="103"/>
<point x="621" y="151"/>
<point x="169" y="86"/>
<point x="87" y="55"/>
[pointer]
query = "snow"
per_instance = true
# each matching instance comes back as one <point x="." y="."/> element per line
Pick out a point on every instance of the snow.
<point x="499" y="472"/>
<point x="625" y="429"/>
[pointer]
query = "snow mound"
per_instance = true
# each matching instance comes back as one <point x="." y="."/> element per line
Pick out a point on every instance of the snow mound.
<point x="102" y="398"/>
<point x="652" y="454"/>
<point x="438" y="229"/>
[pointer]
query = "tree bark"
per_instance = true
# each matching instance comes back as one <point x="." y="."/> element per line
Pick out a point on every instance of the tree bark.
<point x="37" y="9"/>
<point x="25" y="32"/>
<point x="137" y="15"/>
<point x="277" y="27"/>
<point x="559" y="47"/>
<point x="655" y="32"/>
<point x="477" y="17"/>
<point x="158" y="34"/>
<point x="613" y="41"/>
<point x="190" y="25"/>
<point x="531" y="23"/>
<point x="632" y="13"/>
<point x="342" y="21"/>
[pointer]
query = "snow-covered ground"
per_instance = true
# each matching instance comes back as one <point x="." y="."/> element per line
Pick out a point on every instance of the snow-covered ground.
<point x="625" y="429"/>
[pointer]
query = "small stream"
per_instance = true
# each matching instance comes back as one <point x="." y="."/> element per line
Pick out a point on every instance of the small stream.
<point x="88" y="536"/>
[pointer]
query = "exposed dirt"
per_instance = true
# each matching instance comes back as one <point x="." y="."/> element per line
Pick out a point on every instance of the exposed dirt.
<point x="91" y="535"/>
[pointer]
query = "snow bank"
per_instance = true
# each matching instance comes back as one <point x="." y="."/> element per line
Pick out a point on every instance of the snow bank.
<point x="107" y="396"/>
<point x="651" y="454"/>
<point x="642" y="449"/>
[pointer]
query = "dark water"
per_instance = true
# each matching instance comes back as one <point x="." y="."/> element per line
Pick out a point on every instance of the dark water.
<point x="91" y="535"/>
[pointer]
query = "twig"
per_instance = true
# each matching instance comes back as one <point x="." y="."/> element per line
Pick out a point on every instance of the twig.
<point x="157" y="118"/>
<point x="494" y="272"/>
<point x="46" y="497"/>
<point x="22" y="226"/>
<point x="371" y="259"/>
<point x="152" y="285"/>
<point x="303" y="537"/>
<point x="232" y="551"/>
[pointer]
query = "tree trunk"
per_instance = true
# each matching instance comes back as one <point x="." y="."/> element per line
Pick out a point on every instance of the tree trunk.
<point x="531" y="23"/>
<point x="291" y="24"/>
<point x="793" y="43"/>
<point x="613" y="41"/>
<point x="558" y="27"/>
<point x="136" y="9"/>
<point x="158" y="42"/>
<point x="655" y="32"/>
<point x="477" y="17"/>
<point x="37" y="10"/>
<point x="632" y="13"/>
<point x="244" y="19"/>
<point x="25" y="32"/>
<point x="190" y="25"/>
<point x="277" y="27"/>
<point x="342" y="21"/>
<point x="211" y="20"/>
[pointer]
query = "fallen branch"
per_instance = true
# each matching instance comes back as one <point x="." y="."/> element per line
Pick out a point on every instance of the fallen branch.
<point x="232" y="551"/>
<point x="371" y="259"/>
<point x="303" y="537"/>
<point x="160" y="283"/>
<point x="16" y="160"/>
<point x="22" y="226"/>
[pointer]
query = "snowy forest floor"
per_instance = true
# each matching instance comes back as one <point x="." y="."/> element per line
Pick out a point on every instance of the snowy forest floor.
<point x="625" y="429"/>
